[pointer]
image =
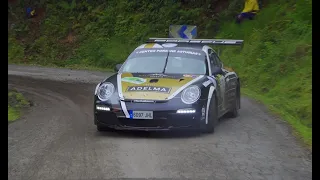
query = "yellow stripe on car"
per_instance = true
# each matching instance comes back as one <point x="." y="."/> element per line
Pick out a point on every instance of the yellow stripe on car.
<point x="149" y="45"/>
<point x="172" y="84"/>
<point x="153" y="45"/>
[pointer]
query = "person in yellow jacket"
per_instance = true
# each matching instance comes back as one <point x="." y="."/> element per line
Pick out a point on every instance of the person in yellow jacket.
<point x="251" y="7"/>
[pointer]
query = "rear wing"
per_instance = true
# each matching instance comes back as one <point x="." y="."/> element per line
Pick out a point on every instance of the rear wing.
<point x="229" y="42"/>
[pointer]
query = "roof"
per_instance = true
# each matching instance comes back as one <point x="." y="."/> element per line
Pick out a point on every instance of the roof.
<point x="171" y="45"/>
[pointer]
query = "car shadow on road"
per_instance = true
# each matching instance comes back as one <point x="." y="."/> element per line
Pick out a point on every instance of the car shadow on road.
<point x="158" y="134"/>
<point x="148" y="134"/>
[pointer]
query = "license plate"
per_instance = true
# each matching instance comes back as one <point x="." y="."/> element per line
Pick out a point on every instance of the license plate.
<point x="141" y="114"/>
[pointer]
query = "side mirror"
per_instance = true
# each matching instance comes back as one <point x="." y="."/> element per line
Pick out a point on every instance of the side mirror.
<point x="216" y="70"/>
<point x="221" y="65"/>
<point x="118" y="66"/>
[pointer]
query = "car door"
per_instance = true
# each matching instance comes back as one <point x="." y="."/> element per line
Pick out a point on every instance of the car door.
<point x="229" y="86"/>
<point x="222" y="83"/>
<point x="220" y="89"/>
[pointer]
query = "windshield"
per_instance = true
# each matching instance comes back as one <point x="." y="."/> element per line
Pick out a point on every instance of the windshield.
<point x="162" y="63"/>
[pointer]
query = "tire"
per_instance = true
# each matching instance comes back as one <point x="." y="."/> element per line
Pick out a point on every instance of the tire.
<point x="99" y="128"/>
<point x="212" y="116"/>
<point x="235" y="110"/>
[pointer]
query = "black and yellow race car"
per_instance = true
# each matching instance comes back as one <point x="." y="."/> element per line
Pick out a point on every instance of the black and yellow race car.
<point x="168" y="84"/>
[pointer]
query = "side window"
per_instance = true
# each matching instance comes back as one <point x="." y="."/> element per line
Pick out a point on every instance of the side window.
<point x="213" y="60"/>
<point x="219" y="64"/>
<point x="207" y="66"/>
<point x="210" y="58"/>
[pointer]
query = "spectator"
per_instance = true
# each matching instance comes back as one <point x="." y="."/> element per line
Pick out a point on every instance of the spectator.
<point x="31" y="12"/>
<point x="251" y="7"/>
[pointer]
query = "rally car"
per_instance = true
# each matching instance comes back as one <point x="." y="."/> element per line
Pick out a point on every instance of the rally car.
<point x="168" y="84"/>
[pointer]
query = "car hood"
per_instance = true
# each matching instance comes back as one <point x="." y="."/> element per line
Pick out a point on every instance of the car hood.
<point x="153" y="86"/>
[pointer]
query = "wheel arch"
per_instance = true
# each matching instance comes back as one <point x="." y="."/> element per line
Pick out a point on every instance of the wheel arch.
<point x="212" y="92"/>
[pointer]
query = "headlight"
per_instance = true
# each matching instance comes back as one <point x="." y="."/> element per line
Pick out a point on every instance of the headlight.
<point x="191" y="95"/>
<point x="105" y="91"/>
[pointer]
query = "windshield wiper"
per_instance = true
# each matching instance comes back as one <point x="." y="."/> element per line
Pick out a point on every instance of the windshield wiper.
<point x="165" y="65"/>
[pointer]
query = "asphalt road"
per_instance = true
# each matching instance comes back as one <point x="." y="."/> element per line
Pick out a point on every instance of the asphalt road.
<point x="56" y="139"/>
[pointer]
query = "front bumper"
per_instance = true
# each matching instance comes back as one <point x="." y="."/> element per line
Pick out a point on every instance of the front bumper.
<point x="164" y="119"/>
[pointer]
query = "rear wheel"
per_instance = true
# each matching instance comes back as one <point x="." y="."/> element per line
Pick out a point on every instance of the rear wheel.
<point x="212" y="116"/>
<point x="235" y="110"/>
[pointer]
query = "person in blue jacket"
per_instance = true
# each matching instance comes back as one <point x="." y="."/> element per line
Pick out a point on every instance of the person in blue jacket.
<point x="31" y="12"/>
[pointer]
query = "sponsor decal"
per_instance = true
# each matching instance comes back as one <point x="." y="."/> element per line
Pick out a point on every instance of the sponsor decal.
<point x="207" y="83"/>
<point x="189" y="75"/>
<point x="171" y="51"/>
<point x="148" y="89"/>
<point x="143" y="101"/>
<point x="134" y="80"/>
<point x="158" y="76"/>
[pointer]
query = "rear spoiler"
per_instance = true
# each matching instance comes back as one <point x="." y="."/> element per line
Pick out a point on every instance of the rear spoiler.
<point x="197" y="41"/>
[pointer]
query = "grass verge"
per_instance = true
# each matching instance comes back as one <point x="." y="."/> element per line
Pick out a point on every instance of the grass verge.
<point x="275" y="64"/>
<point x="16" y="102"/>
<point x="302" y="132"/>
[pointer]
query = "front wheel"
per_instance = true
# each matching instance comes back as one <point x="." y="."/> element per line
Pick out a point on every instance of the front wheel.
<point x="212" y="116"/>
